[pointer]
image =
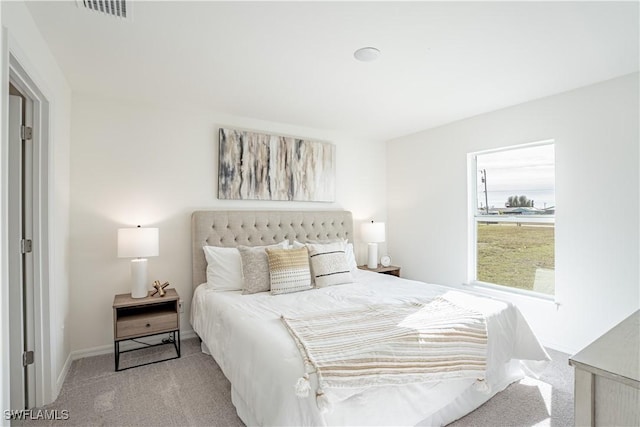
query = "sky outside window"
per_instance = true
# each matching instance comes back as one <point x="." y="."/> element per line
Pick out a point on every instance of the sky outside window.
<point x="526" y="172"/>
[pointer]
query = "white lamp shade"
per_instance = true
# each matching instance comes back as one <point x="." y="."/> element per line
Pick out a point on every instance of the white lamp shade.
<point x="372" y="232"/>
<point x="137" y="242"/>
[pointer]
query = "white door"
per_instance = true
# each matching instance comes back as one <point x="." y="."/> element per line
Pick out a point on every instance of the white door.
<point x="21" y="340"/>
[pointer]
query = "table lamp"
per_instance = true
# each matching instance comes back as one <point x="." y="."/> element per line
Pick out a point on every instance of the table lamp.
<point x="372" y="233"/>
<point x="138" y="243"/>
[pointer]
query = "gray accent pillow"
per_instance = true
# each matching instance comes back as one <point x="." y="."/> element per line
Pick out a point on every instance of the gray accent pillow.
<point x="255" y="268"/>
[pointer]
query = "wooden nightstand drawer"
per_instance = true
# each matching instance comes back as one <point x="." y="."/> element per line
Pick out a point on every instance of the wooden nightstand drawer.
<point x="140" y="324"/>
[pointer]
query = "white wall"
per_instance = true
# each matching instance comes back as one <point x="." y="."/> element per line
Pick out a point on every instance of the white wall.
<point x="149" y="165"/>
<point x="27" y="45"/>
<point x="597" y="219"/>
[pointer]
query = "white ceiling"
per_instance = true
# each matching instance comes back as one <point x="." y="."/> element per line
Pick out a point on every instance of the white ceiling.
<point x="292" y="62"/>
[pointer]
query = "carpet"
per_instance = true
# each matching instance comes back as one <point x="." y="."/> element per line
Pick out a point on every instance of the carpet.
<point x="190" y="391"/>
<point x="546" y="401"/>
<point x="193" y="391"/>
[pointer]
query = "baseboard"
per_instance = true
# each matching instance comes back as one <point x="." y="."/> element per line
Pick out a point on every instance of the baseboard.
<point x="107" y="349"/>
<point x="62" y="376"/>
<point x="188" y="334"/>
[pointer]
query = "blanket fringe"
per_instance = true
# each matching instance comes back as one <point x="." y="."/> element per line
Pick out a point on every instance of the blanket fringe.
<point x="482" y="386"/>
<point x="303" y="386"/>
<point x="323" y="402"/>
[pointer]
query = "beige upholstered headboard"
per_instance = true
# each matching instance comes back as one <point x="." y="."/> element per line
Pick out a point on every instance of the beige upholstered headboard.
<point x="255" y="228"/>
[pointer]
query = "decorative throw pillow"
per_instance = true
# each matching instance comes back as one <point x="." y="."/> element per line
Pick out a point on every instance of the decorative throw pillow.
<point x="348" y="250"/>
<point x="255" y="268"/>
<point x="289" y="270"/>
<point x="329" y="264"/>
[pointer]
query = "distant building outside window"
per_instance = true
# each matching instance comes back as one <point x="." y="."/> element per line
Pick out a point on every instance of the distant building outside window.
<point x="512" y="218"/>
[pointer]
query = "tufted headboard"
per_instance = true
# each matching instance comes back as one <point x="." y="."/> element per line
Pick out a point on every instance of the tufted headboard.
<point x="256" y="228"/>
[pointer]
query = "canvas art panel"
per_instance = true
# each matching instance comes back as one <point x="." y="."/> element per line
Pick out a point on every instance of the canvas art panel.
<point x="257" y="166"/>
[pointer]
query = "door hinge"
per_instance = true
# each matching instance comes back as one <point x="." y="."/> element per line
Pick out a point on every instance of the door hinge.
<point x="26" y="246"/>
<point x="27" y="358"/>
<point x="26" y="133"/>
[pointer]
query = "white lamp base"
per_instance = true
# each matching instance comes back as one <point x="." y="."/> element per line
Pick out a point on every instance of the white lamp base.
<point x="139" y="278"/>
<point x="373" y="255"/>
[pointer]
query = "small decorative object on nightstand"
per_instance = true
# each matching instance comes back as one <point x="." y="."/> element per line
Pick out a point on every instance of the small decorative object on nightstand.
<point x="390" y="269"/>
<point x="144" y="317"/>
<point x="159" y="288"/>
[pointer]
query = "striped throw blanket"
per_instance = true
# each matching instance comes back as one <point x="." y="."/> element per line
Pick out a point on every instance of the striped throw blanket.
<point x="389" y="345"/>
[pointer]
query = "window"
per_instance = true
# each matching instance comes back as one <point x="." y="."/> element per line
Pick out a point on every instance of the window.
<point x="512" y="202"/>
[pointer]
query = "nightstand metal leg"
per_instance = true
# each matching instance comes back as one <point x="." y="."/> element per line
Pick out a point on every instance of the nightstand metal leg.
<point x="173" y="339"/>
<point x="116" y="351"/>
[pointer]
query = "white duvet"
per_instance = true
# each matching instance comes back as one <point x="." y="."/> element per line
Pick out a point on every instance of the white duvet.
<point x="256" y="353"/>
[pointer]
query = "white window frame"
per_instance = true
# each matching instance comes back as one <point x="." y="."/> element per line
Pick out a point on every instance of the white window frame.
<point x="474" y="219"/>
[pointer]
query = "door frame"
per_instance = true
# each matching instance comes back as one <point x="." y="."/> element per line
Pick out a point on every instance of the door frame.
<point x="22" y="379"/>
<point x="42" y="321"/>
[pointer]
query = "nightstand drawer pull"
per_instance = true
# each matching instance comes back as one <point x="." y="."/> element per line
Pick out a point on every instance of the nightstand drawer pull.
<point x="148" y="325"/>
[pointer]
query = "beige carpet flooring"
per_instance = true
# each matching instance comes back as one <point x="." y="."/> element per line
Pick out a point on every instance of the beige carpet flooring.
<point x="192" y="391"/>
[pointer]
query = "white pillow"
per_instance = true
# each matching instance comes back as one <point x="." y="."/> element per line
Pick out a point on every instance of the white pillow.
<point x="351" y="257"/>
<point x="224" y="267"/>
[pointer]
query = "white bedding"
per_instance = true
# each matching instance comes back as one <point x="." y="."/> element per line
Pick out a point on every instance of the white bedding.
<point x="254" y="350"/>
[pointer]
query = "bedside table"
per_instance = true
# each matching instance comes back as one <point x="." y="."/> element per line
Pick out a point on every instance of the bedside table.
<point x="144" y="317"/>
<point x="392" y="269"/>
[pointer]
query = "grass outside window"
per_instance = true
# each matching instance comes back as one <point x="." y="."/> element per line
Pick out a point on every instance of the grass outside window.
<point x="517" y="255"/>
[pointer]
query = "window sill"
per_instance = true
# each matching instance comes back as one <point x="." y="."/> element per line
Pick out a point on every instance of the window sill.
<point x="497" y="291"/>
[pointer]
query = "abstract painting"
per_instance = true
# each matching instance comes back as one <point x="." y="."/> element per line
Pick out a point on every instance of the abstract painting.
<point x="257" y="166"/>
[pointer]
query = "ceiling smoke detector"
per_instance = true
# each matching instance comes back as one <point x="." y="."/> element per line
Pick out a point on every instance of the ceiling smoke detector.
<point x="116" y="8"/>
<point x="366" y="54"/>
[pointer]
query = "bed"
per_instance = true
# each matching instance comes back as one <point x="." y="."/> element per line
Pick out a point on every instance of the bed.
<point x="248" y="339"/>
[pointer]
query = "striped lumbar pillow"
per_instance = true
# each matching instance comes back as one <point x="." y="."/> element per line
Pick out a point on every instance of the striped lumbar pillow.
<point x="329" y="264"/>
<point x="289" y="270"/>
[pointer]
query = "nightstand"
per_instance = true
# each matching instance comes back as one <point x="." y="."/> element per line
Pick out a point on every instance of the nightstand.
<point x="144" y="317"/>
<point x="392" y="269"/>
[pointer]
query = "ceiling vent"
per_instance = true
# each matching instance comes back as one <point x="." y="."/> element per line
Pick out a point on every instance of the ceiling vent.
<point x="116" y="8"/>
